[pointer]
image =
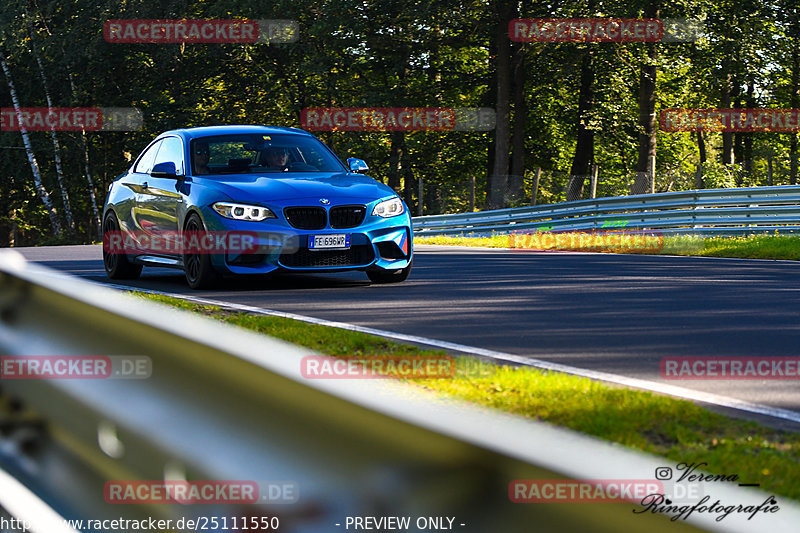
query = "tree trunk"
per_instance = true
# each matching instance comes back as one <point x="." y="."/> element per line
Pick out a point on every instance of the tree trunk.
<point x="85" y="144"/>
<point x="584" y="146"/>
<point x="747" y="152"/>
<point x="516" y="181"/>
<point x="725" y="103"/>
<point x="701" y="147"/>
<point x="647" y="112"/>
<point x="795" y="103"/>
<point x="490" y="100"/>
<point x="499" y="177"/>
<point x="56" y="148"/>
<point x="409" y="183"/>
<point x="487" y="189"/>
<point x="395" y="154"/>
<point x="55" y="225"/>
<point x="738" y="137"/>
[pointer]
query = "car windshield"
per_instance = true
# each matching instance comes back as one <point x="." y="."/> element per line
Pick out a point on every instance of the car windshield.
<point x="260" y="154"/>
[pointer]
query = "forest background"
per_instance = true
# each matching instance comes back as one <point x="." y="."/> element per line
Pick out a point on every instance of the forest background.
<point x="563" y="109"/>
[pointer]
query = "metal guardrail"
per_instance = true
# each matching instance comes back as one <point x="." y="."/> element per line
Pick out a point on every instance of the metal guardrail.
<point x="701" y="212"/>
<point x="227" y="404"/>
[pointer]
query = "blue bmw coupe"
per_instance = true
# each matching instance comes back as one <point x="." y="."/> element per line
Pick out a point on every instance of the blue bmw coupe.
<point x="238" y="200"/>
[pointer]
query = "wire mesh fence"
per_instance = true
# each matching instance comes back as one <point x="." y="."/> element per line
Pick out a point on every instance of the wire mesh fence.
<point x="555" y="186"/>
<point x="546" y="186"/>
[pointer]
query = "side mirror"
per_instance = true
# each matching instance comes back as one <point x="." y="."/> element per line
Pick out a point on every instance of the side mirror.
<point x="164" y="170"/>
<point x="357" y="165"/>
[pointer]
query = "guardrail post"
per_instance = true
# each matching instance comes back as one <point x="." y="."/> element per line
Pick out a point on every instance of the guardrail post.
<point x="535" y="189"/>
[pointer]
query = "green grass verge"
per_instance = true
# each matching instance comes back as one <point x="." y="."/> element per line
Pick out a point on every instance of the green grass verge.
<point x="676" y="429"/>
<point x="746" y="247"/>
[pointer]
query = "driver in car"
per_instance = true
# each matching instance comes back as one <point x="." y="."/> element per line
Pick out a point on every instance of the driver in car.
<point x="200" y="156"/>
<point x="278" y="158"/>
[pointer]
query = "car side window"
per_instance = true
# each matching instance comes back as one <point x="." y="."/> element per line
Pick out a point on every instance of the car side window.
<point x="171" y="150"/>
<point x="146" y="161"/>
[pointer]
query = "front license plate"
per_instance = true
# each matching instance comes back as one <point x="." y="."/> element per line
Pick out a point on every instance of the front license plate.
<point x="339" y="241"/>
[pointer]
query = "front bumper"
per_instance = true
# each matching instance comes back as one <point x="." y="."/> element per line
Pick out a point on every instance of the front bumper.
<point x="375" y="243"/>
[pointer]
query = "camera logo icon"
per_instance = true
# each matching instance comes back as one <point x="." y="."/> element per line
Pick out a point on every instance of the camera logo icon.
<point x="663" y="473"/>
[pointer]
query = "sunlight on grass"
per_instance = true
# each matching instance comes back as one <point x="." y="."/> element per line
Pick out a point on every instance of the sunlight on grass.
<point x="745" y="247"/>
<point x="676" y="429"/>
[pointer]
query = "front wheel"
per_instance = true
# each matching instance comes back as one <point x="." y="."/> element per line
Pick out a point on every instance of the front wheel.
<point x="200" y="273"/>
<point x="381" y="275"/>
<point x="116" y="263"/>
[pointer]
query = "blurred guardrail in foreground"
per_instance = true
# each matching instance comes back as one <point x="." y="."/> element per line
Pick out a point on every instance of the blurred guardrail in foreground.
<point x="222" y="403"/>
<point x="709" y="212"/>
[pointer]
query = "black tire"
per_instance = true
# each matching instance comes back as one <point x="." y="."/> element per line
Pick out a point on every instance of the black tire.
<point x="118" y="266"/>
<point x="380" y="275"/>
<point x="200" y="273"/>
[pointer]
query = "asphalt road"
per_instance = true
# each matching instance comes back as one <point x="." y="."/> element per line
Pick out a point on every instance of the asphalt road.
<point x="614" y="313"/>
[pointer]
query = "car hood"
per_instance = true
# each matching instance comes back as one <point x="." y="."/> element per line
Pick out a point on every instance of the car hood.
<point x="336" y="187"/>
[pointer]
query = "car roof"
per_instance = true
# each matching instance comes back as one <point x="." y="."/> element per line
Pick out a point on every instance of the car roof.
<point x="207" y="131"/>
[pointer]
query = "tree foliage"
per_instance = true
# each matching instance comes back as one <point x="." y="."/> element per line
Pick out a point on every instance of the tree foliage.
<point x="403" y="53"/>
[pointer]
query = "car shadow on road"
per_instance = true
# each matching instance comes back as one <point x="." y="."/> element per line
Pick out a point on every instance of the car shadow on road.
<point x="285" y="281"/>
<point x="175" y="282"/>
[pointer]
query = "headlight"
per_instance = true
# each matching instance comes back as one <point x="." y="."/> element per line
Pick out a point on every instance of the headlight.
<point x="389" y="208"/>
<point x="243" y="211"/>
